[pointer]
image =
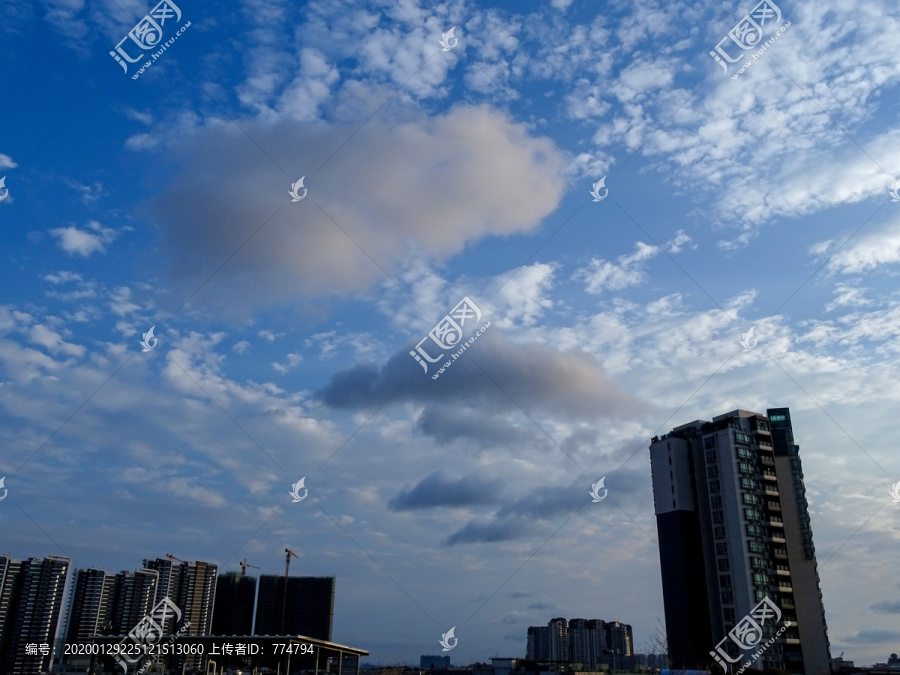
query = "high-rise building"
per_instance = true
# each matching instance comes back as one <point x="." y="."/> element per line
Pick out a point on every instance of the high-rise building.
<point x="192" y="587"/>
<point x="538" y="647"/>
<point x="31" y="599"/>
<point x="559" y="639"/>
<point x="427" y="662"/>
<point x="235" y="597"/>
<point x="90" y="604"/>
<point x="309" y="610"/>
<point x="593" y="643"/>
<point x="133" y="597"/>
<point x="734" y="529"/>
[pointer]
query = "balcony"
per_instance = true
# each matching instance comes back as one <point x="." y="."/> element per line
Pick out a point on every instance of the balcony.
<point x="792" y="641"/>
<point x="766" y="460"/>
<point x="776" y="538"/>
<point x="771" y="491"/>
<point x="769" y="475"/>
<point x="785" y="573"/>
<point x="780" y="553"/>
<point x="785" y="587"/>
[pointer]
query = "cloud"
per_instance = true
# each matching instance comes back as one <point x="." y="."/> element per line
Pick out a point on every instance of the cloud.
<point x="84" y="242"/>
<point x="431" y="186"/>
<point x="887" y="606"/>
<point x="534" y="376"/>
<point x="868" y="251"/>
<point x="293" y="360"/>
<point x="436" y="490"/>
<point x="6" y="162"/>
<point x="629" y="270"/>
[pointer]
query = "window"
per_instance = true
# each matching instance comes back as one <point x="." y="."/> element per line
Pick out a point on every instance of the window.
<point x="719" y="532"/>
<point x="728" y="615"/>
<point x="723" y="564"/>
<point x="760" y="594"/>
<point x="744" y="453"/>
<point x="777" y="418"/>
<point x="754" y="531"/>
<point x="721" y="548"/>
<point x="715" y="501"/>
<point x="744" y="467"/>
<point x="725" y="580"/>
<point x="670" y="460"/>
<point x="714" y="486"/>
<point x="758" y="563"/>
<point x="748" y="483"/>
<point x="709" y="442"/>
<point x="750" y="499"/>
<point x="712" y="470"/>
<point x="727" y="597"/>
<point x="760" y="579"/>
<point x="717" y="516"/>
<point x="762" y="425"/>
<point x="740" y="437"/>
<point x="752" y="514"/>
<point x="757" y="547"/>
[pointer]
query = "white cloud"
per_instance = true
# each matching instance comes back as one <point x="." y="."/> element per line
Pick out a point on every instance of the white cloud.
<point x="6" y="162"/>
<point x="293" y="360"/>
<point x="84" y="242"/>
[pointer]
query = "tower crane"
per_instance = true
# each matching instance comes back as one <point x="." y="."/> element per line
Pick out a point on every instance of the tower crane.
<point x="287" y="566"/>
<point x="244" y="565"/>
<point x="172" y="557"/>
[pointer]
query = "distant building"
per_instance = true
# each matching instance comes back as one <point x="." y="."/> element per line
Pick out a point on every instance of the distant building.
<point x="235" y="597"/>
<point x="734" y="529"/>
<point x="434" y="662"/>
<point x="31" y="599"/>
<point x="192" y="587"/>
<point x="591" y="642"/>
<point x="90" y="604"/>
<point x="133" y="597"/>
<point x="309" y="610"/>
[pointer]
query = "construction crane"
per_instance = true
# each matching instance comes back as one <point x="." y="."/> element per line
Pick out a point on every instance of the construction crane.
<point x="287" y="566"/>
<point x="244" y="565"/>
<point x="172" y="557"/>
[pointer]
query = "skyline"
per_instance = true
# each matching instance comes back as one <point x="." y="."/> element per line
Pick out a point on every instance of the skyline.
<point x="290" y="198"/>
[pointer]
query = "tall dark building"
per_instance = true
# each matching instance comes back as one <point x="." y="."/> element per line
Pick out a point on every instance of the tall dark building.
<point x="31" y="598"/>
<point x="591" y="642"/>
<point x="734" y="532"/>
<point x="192" y="587"/>
<point x="310" y="606"/>
<point x="235" y="596"/>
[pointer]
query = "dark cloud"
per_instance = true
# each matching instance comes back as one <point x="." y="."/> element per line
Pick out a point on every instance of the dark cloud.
<point x="875" y="636"/>
<point x="887" y="606"/>
<point x="530" y="512"/>
<point x="493" y="377"/>
<point x="436" y="490"/>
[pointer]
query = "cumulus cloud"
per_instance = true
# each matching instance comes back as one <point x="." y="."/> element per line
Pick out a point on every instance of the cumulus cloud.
<point x="431" y="186"/>
<point x="84" y="242"/>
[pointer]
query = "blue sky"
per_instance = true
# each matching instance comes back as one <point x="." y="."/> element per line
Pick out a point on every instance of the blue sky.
<point x="284" y="328"/>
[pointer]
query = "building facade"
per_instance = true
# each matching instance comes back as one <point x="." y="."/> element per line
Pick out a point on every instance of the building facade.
<point x="734" y="530"/>
<point x="235" y="598"/>
<point x="590" y="642"/>
<point x="31" y="600"/>
<point x="309" y="609"/>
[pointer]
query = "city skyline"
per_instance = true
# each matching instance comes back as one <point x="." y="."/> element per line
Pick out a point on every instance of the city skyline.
<point x="407" y="288"/>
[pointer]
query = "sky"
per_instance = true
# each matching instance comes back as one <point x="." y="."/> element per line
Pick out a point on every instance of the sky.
<point x="445" y="175"/>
